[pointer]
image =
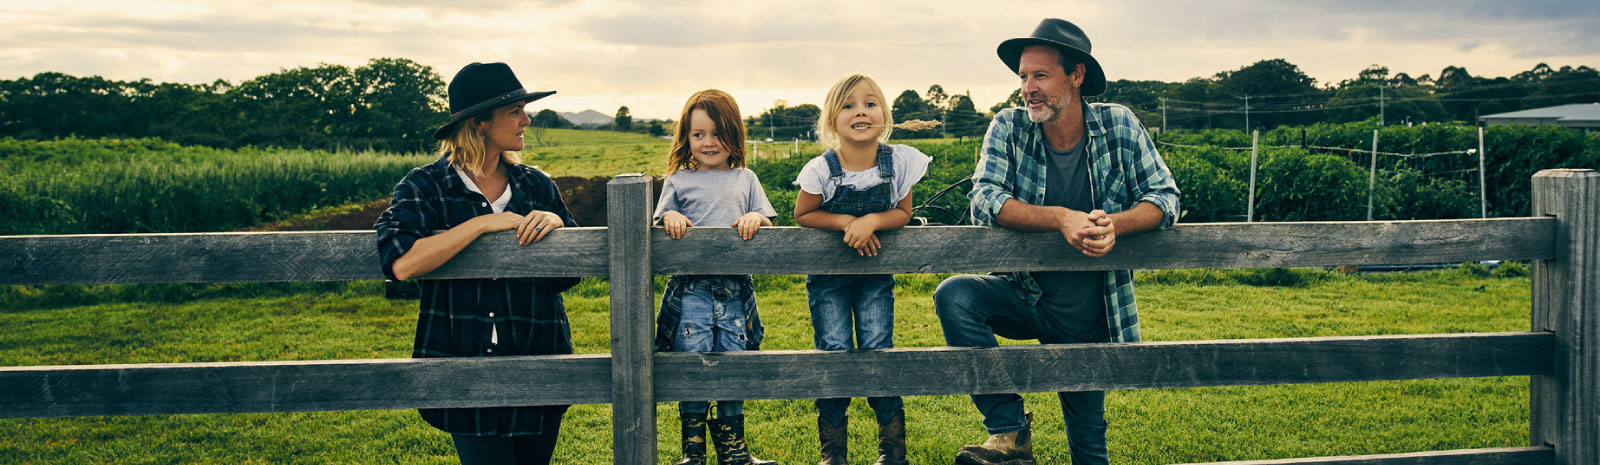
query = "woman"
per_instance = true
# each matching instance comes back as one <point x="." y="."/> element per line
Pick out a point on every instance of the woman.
<point x="479" y="186"/>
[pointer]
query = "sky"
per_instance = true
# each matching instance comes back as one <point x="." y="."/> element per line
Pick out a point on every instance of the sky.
<point x="651" y="55"/>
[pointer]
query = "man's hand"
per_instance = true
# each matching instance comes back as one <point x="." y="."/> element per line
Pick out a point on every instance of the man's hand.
<point x="1072" y="223"/>
<point x="861" y="234"/>
<point x="1096" y="241"/>
<point x="675" y="223"/>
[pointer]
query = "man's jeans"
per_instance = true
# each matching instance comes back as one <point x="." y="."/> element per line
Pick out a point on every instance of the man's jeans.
<point x="972" y="310"/>
<point x="713" y="321"/>
<point x="866" y="300"/>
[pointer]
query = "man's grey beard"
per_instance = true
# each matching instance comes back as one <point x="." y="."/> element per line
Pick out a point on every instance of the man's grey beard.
<point x="1049" y="112"/>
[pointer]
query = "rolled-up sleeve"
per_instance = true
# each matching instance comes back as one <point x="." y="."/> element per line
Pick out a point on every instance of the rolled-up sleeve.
<point x="406" y="221"/>
<point x="992" y="177"/>
<point x="1154" y="181"/>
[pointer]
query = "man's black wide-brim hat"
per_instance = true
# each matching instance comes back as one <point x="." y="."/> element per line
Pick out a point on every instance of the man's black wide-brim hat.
<point x="480" y="87"/>
<point x="1067" y="38"/>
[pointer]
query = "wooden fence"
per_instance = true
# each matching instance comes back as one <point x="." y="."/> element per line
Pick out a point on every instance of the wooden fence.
<point x="1561" y="351"/>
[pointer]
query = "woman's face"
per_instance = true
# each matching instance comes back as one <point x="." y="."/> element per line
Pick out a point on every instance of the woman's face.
<point x="503" y="131"/>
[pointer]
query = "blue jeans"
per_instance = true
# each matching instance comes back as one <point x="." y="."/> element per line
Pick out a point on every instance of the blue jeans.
<point x="713" y="320"/>
<point x="973" y="309"/>
<point x="866" y="303"/>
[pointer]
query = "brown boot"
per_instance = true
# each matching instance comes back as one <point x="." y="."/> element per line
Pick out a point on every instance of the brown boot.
<point x="1002" y="449"/>
<point x="728" y="436"/>
<point x="892" y="440"/>
<point x="694" y="439"/>
<point x="835" y="442"/>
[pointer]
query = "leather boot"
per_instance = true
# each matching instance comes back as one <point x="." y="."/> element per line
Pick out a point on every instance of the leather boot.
<point x="1002" y="449"/>
<point x="835" y="442"/>
<point x="892" y="440"/>
<point x="727" y="435"/>
<point x="694" y="439"/>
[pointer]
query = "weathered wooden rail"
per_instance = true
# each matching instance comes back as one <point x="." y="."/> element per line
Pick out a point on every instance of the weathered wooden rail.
<point x="1561" y="351"/>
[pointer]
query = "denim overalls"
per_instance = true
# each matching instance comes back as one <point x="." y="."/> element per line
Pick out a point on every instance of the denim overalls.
<point x="867" y="300"/>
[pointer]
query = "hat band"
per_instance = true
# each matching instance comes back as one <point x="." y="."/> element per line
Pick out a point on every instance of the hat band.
<point x="491" y="103"/>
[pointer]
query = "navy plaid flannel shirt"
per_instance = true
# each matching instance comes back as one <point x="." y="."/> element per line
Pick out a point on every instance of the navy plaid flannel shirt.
<point x="1125" y="170"/>
<point x="457" y="315"/>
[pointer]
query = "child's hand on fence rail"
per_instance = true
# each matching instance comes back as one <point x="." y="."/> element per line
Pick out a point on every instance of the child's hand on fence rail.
<point x="675" y="223"/>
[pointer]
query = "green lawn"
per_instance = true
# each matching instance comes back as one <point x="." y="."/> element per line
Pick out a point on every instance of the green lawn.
<point x="180" y="323"/>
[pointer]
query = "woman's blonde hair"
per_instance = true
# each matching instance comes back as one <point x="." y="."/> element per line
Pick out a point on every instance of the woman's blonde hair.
<point x="829" y="135"/>
<point x="724" y="112"/>
<point x="465" y="146"/>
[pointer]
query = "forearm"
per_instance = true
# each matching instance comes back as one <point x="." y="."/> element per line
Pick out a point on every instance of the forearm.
<point x="1019" y="215"/>
<point x="429" y="253"/>
<point x="1144" y="216"/>
<point x="893" y="218"/>
<point x="823" y="219"/>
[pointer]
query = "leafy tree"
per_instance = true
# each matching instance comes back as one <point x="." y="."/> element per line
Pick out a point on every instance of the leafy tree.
<point x="1277" y="89"/>
<point x="1015" y="100"/>
<point x="624" y="119"/>
<point x="936" y="96"/>
<point x="963" y="118"/>
<point x="548" y="118"/>
<point x="909" y="106"/>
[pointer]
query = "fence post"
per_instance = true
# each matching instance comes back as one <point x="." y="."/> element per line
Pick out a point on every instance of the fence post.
<point x="633" y="403"/>
<point x="1566" y="301"/>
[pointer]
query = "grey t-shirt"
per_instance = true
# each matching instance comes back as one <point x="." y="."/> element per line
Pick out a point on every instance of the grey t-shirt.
<point x="1073" y="302"/>
<point x="713" y="197"/>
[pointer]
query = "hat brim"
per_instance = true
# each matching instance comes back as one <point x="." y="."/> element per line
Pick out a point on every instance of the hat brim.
<point x="1094" y="81"/>
<point x="519" y="95"/>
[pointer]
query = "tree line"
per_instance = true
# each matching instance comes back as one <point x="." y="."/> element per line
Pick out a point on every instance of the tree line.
<point x="389" y="104"/>
<point x="393" y="104"/>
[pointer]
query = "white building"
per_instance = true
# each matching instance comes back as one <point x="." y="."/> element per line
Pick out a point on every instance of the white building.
<point x="1581" y="116"/>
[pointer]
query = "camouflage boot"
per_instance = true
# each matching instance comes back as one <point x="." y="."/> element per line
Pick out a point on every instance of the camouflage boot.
<point x="694" y="439"/>
<point x="728" y="436"/>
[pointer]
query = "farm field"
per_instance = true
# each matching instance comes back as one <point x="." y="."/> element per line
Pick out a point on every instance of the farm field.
<point x="238" y="322"/>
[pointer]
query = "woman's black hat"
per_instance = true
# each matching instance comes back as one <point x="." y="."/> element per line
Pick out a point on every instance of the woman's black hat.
<point x="480" y="87"/>
<point x="1067" y="38"/>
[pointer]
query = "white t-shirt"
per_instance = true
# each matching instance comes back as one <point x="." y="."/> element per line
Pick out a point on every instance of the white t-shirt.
<point x="910" y="165"/>
<point x="498" y="205"/>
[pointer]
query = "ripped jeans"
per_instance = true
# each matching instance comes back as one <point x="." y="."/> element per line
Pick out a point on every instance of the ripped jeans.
<point x="713" y="319"/>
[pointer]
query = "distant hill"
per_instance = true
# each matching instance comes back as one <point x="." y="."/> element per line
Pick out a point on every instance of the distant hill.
<point x="588" y="118"/>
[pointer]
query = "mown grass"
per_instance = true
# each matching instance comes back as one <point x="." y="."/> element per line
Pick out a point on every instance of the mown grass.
<point x="181" y="323"/>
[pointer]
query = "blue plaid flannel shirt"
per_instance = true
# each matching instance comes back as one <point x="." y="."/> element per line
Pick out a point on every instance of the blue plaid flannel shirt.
<point x="1125" y="170"/>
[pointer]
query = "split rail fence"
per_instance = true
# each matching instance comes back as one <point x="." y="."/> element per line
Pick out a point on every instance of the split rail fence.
<point x="1560" y="351"/>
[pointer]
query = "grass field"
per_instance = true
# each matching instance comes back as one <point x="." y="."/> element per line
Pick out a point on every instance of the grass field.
<point x="139" y="324"/>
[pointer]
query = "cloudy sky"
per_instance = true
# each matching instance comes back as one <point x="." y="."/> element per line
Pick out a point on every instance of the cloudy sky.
<point x="650" y="55"/>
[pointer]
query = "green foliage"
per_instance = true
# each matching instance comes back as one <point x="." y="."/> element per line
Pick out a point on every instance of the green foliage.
<point x="390" y="104"/>
<point x="1319" y="184"/>
<point x="81" y="186"/>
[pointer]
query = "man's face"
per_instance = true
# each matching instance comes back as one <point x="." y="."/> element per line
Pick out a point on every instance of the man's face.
<point x="1047" y="90"/>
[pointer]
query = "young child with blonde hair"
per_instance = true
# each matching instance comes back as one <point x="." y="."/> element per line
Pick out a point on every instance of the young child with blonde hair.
<point x="860" y="185"/>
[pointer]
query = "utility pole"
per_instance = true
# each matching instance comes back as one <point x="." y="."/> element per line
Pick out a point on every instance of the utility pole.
<point x="1163" y="113"/>
<point x="1380" y="104"/>
<point x="1247" y="113"/>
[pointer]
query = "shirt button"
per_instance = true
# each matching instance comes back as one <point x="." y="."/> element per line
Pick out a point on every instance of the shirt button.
<point x="491" y="314"/>
<point x="485" y="204"/>
<point x="488" y="350"/>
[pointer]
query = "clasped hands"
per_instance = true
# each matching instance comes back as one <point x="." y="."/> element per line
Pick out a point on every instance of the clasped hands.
<point x="1093" y="233"/>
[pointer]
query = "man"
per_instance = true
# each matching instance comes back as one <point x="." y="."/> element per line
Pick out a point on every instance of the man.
<point x="1088" y="171"/>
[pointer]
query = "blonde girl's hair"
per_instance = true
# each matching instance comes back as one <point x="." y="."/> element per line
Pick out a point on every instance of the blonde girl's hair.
<point x="724" y="112"/>
<point x="829" y="135"/>
<point x="465" y="146"/>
